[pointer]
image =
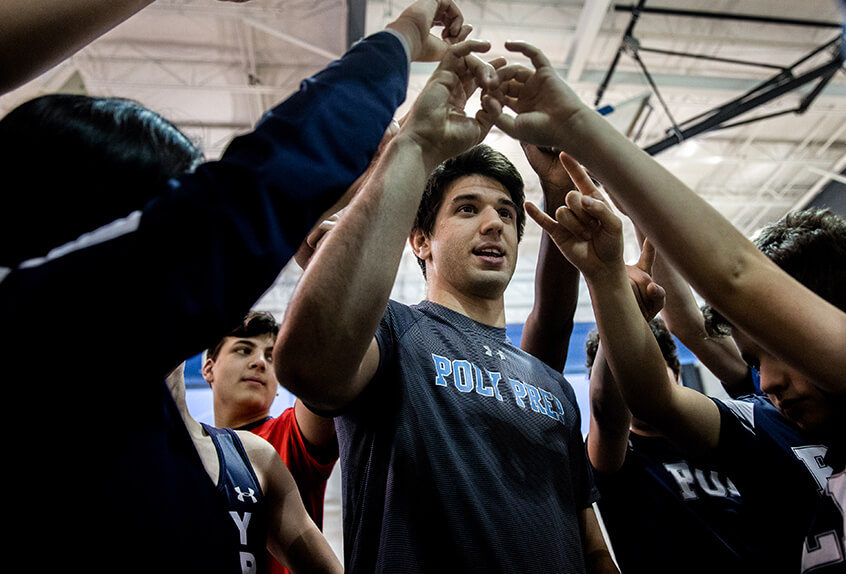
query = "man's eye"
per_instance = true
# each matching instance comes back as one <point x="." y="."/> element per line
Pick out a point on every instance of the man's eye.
<point x="467" y="209"/>
<point x="506" y="213"/>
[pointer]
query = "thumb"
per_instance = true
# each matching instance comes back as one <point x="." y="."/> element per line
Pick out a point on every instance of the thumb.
<point x="647" y="257"/>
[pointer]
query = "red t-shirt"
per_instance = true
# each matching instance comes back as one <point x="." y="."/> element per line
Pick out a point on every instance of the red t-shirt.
<point x="309" y="473"/>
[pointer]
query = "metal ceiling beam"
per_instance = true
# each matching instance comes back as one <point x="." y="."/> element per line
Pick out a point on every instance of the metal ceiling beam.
<point x="730" y="16"/>
<point x="770" y="90"/>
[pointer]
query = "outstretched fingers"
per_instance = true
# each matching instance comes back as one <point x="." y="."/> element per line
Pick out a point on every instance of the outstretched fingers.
<point x="538" y="58"/>
<point x="579" y="176"/>
<point x="547" y="223"/>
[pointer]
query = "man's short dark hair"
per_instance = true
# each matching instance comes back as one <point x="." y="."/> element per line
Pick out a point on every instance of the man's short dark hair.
<point x="255" y="324"/>
<point x="810" y="246"/>
<point x="480" y="160"/>
<point x="662" y="335"/>
<point x="74" y="163"/>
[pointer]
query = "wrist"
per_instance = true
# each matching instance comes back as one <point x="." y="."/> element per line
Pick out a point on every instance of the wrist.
<point x="429" y="153"/>
<point x="410" y="32"/>
<point x="554" y="196"/>
<point x="607" y="277"/>
<point x="575" y="125"/>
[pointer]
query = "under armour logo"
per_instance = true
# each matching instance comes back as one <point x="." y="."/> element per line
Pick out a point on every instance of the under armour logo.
<point x="489" y="352"/>
<point x="249" y="494"/>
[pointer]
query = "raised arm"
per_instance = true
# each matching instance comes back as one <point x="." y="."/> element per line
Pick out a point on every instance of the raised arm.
<point x="715" y="258"/>
<point x="326" y="353"/>
<point x="590" y="236"/>
<point x="547" y="330"/>
<point x="211" y="243"/>
<point x="292" y="538"/>
<point x="610" y="418"/>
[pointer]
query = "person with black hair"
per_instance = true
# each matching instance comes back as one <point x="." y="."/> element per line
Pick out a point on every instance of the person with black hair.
<point x="188" y="260"/>
<point x="457" y="448"/>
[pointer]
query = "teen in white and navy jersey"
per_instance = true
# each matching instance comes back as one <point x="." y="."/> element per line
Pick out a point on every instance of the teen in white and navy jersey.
<point x="769" y="460"/>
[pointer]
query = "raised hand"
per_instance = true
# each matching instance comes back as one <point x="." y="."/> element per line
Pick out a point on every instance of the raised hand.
<point x="650" y="296"/>
<point x="437" y="121"/>
<point x="554" y="179"/>
<point x="544" y="104"/>
<point x="310" y="244"/>
<point x="416" y="21"/>
<point x="586" y="231"/>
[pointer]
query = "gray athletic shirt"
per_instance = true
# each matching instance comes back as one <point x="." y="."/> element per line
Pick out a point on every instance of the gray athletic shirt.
<point x="463" y="454"/>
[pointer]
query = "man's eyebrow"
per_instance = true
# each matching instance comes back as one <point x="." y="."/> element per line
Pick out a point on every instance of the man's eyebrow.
<point x="244" y="342"/>
<point x="475" y="197"/>
<point x="465" y="197"/>
<point x="508" y="203"/>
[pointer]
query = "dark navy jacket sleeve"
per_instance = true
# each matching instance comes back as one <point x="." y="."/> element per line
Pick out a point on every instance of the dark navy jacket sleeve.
<point x="197" y="257"/>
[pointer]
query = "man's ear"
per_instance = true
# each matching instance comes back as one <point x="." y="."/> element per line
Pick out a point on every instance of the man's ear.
<point x="208" y="371"/>
<point x="419" y="244"/>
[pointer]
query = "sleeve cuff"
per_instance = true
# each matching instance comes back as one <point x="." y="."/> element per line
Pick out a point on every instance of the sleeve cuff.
<point x="404" y="43"/>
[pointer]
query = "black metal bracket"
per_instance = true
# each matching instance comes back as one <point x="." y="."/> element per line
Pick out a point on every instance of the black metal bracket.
<point x="720" y="117"/>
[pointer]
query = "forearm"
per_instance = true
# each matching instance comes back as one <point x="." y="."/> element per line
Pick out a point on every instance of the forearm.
<point x="598" y="559"/>
<point x="547" y="331"/>
<point x="685" y="320"/>
<point x="686" y="417"/>
<point x="610" y="418"/>
<point x="333" y="315"/>
<point x="37" y="34"/>
<point x="311" y="553"/>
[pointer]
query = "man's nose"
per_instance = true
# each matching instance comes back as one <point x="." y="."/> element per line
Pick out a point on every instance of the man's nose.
<point x="259" y="363"/>
<point x="773" y="378"/>
<point x="491" y="221"/>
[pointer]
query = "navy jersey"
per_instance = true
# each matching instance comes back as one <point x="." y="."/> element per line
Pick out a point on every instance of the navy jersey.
<point x="779" y="474"/>
<point x="242" y="498"/>
<point x="825" y="545"/>
<point x="113" y="481"/>
<point x="463" y="454"/>
<point x="665" y="513"/>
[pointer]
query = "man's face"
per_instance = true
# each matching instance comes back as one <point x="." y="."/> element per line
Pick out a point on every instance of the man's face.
<point x="242" y="376"/>
<point x="472" y="249"/>
<point x="791" y="392"/>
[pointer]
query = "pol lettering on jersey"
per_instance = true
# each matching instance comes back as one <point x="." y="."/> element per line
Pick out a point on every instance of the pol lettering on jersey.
<point x="468" y="377"/>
